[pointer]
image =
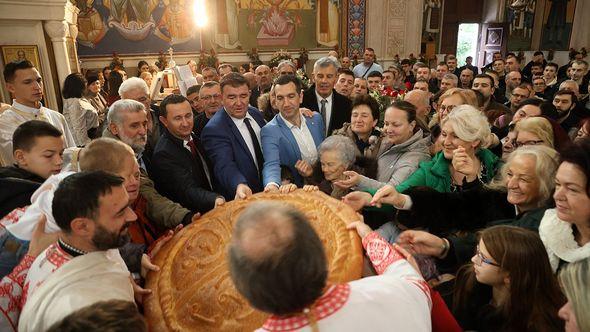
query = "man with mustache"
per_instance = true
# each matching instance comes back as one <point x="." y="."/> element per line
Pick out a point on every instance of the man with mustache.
<point x="322" y="98"/>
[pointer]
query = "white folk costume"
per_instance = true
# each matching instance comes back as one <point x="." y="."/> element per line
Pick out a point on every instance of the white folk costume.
<point x="558" y="237"/>
<point x="11" y="291"/>
<point x="398" y="299"/>
<point x="40" y="204"/>
<point x="81" y="116"/>
<point x="84" y="280"/>
<point x="18" y="114"/>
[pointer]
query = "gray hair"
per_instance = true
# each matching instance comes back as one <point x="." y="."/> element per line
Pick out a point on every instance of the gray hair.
<point x="451" y="77"/>
<point x="469" y="124"/>
<point x="119" y="108"/>
<point x="286" y="63"/>
<point x="562" y="84"/>
<point x="132" y="84"/>
<point x="546" y="164"/>
<point x="326" y="62"/>
<point x="345" y="147"/>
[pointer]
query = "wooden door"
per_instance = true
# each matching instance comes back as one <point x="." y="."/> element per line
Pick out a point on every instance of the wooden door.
<point x="493" y="39"/>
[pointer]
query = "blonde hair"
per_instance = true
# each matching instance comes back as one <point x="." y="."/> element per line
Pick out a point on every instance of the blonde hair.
<point x="574" y="279"/>
<point x="467" y="96"/>
<point x="537" y="126"/>
<point x="105" y="154"/>
<point x="469" y="124"/>
<point x="546" y="164"/>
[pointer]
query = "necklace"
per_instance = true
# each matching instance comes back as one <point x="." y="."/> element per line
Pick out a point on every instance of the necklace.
<point x="71" y="250"/>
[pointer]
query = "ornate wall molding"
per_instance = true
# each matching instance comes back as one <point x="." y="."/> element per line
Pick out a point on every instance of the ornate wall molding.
<point x="56" y="30"/>
<point x="355" y="27"/>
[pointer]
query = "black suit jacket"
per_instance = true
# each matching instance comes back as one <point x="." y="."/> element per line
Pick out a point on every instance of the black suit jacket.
<point x="341" y="108"/>
<point x="255" y="93"/>
<point x="180" y="176"/>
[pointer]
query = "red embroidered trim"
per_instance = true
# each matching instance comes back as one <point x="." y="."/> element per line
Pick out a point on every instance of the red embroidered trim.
<point x="332" y="301"/>
<point x="13" y="217"/>
<point x="57" y="256"/>
<point x="380" y="252"/>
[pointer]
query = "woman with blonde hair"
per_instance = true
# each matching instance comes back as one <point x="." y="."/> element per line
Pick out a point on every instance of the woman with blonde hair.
<point x="450" y="99"/>
<point x="574" y="281"/>
<point x="534" y="131"/>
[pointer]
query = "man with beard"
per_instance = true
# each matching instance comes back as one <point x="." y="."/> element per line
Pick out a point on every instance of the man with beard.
<point x="136" y="89"/>
<point x="484" y="83"/>
<point x="127" y="122"/>
<point x="92" y="211"/>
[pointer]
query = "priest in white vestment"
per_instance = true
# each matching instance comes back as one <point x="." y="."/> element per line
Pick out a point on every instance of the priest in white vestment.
<point x="25" y="83"/>
<point x="277" y="262"/>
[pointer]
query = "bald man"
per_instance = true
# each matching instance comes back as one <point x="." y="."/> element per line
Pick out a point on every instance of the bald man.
<point x="263" y="82"/>
<point x="421" y="100"/>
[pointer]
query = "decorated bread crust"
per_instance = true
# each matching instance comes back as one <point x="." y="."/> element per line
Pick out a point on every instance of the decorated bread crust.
<point x="193" y="290"/>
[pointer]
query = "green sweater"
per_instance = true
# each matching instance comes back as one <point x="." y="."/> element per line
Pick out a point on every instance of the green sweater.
<point x="435" y="173"/>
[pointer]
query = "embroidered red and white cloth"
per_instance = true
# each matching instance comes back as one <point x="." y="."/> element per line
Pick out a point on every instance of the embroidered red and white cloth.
<point x="11" y="291"/>
<point x="44" y="265"/>
<point x="398" y="299"/>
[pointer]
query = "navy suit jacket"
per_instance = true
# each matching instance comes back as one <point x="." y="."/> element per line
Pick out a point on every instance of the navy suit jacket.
<point x="233" y="163"/>
<point x="180" y="176"/>
<point x="280" y="147"/>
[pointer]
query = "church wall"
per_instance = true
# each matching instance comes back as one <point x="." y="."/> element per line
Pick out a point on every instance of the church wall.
<point x="17" y="32"/>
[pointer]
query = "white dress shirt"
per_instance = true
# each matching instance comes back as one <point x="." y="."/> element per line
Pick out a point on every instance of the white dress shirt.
<point x="246" y="134"/>
<point x="304" y="140"/>
<point x="330" y="98"/>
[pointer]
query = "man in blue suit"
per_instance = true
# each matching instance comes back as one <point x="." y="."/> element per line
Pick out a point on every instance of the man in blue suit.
<point x="231" y="140"/>
<point x="289" y="136"/>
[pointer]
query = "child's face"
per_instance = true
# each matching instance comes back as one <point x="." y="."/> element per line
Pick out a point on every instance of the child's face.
<point x="44" y="158"/>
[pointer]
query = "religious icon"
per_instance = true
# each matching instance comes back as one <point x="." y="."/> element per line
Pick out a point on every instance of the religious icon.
<point x="91" y="28"/>
<point x="176" y="24"/>
<point x="131" y="18"/>
<point x="22" y="52"/>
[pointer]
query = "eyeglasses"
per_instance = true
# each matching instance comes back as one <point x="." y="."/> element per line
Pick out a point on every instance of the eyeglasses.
<point x="519" y="144"/>
<point x="447" y="108"/>
<point x="207" y="98"/>
<point x="482" y="259"/>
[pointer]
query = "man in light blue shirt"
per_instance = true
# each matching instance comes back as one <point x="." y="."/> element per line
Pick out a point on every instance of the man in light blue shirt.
<point x="368" y="65"/>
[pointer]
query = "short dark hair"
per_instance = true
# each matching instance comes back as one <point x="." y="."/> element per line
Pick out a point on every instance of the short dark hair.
<point x="115" y="81"/>
<point x="171" y="99"/>
<point x="25" y="135"/>
<point x="193" y="89"/>
<point x="421" y="65"/>
<point x="141" y="63"/>
<point x="538" y="53"/>
<point x="368" y="101"/>
<point x="531" y="101"/>
<point x="105" y="316"/>
<point x="345" y="71"/>
<point x="553" y="64"/>
<point x="443" y="64"/>
<point x="375" y="73"/>
<point x="78" y="196"/>
<point x="11" y="68"/>
<point x="487" y="77"/>
<point x="498" y="60"/>
<point x="405" y="62"/>
<point x="286" y="79"/>
<point x="235" y="80"/>
<point x="567" y="92"/>
<point x="369" y="49"/>
<point x="91" y="76"/>
<point x="273" y="281"/>
<point x="578" y="154"/>
<point x="74" y="86"/>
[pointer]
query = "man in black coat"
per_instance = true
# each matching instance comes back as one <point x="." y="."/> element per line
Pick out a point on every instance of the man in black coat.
<point x="181" y="171"/>
<point x="322" y="98"/>
<point x="263" y="81"/>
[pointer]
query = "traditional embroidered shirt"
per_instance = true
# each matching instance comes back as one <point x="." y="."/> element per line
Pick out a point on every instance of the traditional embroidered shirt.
<point x="18" y="114"/>
<point x="11" y="291"/>
<point x="398" y="299"/>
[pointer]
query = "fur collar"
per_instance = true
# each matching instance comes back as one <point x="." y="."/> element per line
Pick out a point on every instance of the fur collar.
<point x="558" y="238"/>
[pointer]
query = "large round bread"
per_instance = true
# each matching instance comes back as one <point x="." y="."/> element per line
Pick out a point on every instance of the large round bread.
<point x="193" y="290"/>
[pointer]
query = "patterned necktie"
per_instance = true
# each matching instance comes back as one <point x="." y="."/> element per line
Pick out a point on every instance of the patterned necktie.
<point x="323" y="113"/>
<point x="257" y="149"/>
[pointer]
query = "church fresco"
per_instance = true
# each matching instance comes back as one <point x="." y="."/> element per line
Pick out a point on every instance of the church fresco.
<point x="152" y="26"/>
<point x="520" y="16"/>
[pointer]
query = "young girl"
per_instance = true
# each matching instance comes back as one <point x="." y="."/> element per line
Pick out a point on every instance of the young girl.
<point x="509" y="286"/>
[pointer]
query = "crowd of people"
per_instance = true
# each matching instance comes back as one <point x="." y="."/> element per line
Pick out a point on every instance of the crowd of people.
<point x="472" y="187"/>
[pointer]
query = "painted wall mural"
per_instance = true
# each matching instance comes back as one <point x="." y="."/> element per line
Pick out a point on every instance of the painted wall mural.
<point x="356" y="27"/>
<point x="152" y="26"/>
<point x="520" y="16"/>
